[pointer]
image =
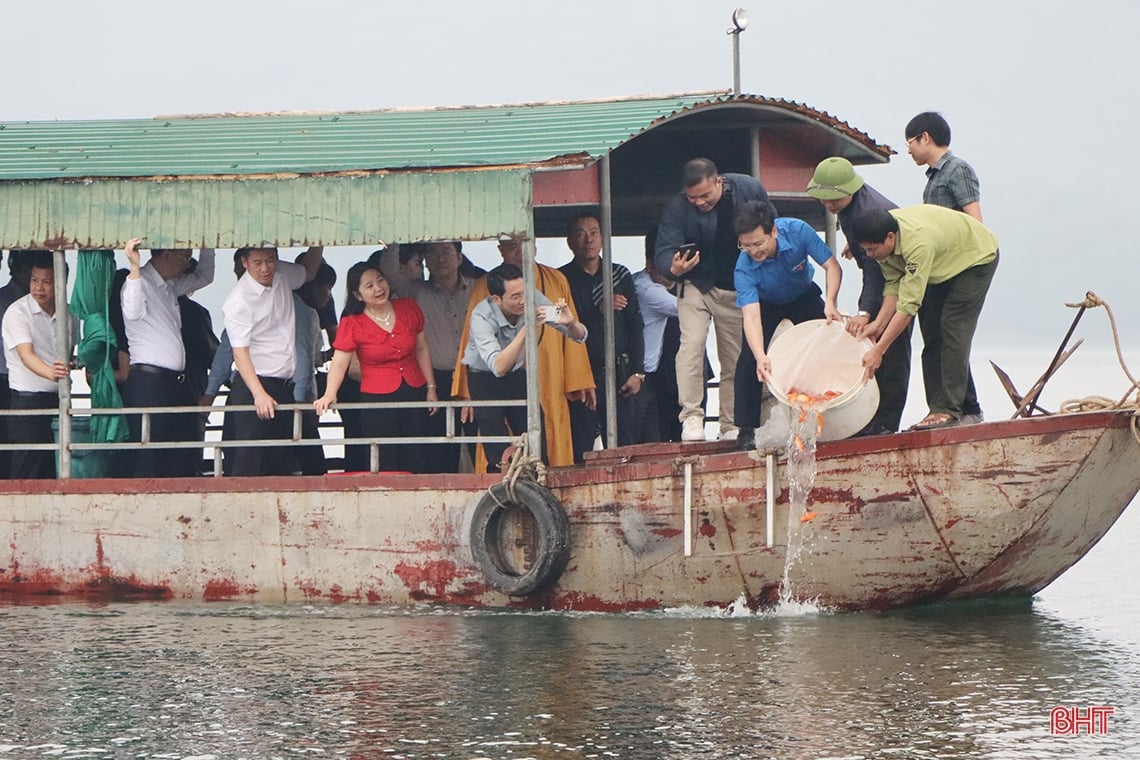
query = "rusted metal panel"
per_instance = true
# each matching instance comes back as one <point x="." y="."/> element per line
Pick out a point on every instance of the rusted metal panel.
<point x="1000" y="508"/>
<point x="362" y="209"/>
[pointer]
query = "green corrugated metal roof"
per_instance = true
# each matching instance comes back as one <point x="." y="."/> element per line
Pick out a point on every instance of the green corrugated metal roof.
<point x="528" y="134"/>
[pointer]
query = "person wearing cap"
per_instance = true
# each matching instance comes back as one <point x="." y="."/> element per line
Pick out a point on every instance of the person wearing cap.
<point x="952" y="183"/>
<point x="923" y="248"/>
<point x="152" y="320"/>
<point x="702" y="215"/>
<point x="773" y="279"/>
<point x="843" y="192"/>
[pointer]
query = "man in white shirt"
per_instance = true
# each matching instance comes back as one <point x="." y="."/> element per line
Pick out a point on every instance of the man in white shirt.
<point x="34" y="366"/>
<point x="261" y="324"/>
<point x="157" y="377"/>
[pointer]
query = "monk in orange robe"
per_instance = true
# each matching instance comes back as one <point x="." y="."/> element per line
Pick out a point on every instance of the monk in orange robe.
<point x="563" y="366"/>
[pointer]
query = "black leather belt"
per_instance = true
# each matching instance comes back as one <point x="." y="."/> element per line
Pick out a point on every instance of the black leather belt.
<point x="154" y="369"/>
<point x="276" y="382"/>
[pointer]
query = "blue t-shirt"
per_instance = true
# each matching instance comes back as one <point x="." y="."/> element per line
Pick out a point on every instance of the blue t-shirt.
<point x="787" y="275"/>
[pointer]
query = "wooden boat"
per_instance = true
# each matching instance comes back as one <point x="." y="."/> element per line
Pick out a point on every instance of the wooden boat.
<point x="1000" y="508"/>
<point x="996" y="509"/>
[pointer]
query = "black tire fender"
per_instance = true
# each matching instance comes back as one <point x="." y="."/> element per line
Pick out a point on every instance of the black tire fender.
<point x="533" y="510"/>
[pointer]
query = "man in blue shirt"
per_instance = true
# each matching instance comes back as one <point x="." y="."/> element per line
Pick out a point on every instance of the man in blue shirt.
<point x="773" y="280"/>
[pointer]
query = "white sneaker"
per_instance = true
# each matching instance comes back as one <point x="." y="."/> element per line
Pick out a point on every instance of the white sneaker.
<point x="971" y="419"/>
<point x="693" y="429"/>
<point x="730" y="435"/>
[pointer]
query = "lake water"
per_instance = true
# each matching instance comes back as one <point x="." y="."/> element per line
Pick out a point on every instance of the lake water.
<point x="181" y="681"/>
<point x="222" y="681"/>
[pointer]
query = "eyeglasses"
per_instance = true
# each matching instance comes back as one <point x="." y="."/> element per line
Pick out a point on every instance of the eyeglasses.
<point x="909" y="140"/>
<point x="758" y="246"/>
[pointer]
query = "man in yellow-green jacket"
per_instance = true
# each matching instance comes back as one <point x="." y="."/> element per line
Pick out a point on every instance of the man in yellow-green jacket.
<point x="923" y="250"/>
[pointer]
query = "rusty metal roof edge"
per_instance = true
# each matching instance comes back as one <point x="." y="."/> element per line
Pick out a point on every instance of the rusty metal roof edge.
<point x="798" y="109"/>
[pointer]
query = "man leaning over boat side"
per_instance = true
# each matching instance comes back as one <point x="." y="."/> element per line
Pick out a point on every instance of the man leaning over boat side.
<point x="701" y="214"/>
<point x="261" y="326"/>
<point x="774" y="282"/>
<point x="952" y="183"/>
<point x="920" y="248"/>
<point x="843" y="192"/>
<point x="157" y="371"/>
<point x="563" y="363"/>
<point x="495" y="355"/>
<point x="34" y="365"/>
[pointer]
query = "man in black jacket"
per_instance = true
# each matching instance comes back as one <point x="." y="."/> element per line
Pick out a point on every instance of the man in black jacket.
<point x="584" y="273"/>
<point x="697" y="245"/>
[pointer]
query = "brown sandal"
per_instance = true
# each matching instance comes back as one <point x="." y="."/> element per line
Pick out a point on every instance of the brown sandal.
<point x="935" y="420"/>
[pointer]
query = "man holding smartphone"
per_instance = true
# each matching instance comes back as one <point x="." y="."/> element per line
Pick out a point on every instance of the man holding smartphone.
<point x="696" y="245"/>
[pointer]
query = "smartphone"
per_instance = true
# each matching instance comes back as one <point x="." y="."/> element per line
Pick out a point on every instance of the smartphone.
<point x="688" y="250"/>
<point x="552" y="313"/>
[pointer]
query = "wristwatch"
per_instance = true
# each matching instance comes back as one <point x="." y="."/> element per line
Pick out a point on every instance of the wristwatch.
<point x="862" y="313"/>
<point x="640" y="376"/>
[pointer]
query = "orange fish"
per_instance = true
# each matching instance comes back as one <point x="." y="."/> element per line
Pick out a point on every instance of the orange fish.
<point x="799" y="442"/>
<point x="807" y="517"/>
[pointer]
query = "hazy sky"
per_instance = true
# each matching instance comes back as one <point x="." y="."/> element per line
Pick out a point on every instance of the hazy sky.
<point x="1041" y="95"/>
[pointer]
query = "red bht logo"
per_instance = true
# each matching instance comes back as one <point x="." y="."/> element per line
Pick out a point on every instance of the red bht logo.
<point x="1069" y="721"/>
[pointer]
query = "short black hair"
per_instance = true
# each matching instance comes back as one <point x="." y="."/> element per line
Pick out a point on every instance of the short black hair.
<point x="409" y="251"/>
<point x="325" y="275"/>
<point x="931" y="123"/>
<point x="754" y="214"/>
<point x="579" y="217"/>
<point x="697" y="171"/>
<point x="243" y="253"/>
<point x="874" y="225"/>
<point x="38" y="259"/>
<point x="18" y="259"/>
<point x="498" y="278"/>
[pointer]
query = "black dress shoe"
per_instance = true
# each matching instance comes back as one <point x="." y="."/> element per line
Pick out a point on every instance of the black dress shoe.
<point x="874" y="429"/>
<point x="746" y="439"/>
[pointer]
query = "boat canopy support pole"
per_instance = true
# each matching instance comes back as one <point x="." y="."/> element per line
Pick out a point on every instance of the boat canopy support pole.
<point x="608" y="303"/>
<point x="530" y="343"/>
<point x="63" y="350"/>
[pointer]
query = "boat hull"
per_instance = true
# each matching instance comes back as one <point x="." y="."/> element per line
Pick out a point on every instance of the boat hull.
<point x="984" y="510"/>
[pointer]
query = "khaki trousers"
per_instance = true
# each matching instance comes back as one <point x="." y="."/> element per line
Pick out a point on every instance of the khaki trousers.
<point x="694" y="310"/>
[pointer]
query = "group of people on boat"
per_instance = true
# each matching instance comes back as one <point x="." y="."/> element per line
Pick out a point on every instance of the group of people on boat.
<point x="721" y="254"/>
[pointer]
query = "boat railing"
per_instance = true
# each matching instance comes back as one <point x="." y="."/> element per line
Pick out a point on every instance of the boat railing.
<point x="214" y="442"/>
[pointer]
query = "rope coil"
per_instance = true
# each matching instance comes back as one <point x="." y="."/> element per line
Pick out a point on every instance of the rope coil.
<point x="1095" y="403"/>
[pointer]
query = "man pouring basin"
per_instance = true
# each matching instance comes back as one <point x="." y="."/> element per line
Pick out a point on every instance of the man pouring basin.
<point x="919" y="248"/>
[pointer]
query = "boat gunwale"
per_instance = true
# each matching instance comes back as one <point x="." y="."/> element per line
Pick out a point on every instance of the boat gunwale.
<point x="610" y="465"/>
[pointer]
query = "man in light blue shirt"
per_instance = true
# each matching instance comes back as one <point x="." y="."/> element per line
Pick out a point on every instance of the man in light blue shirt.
<point x="774" y="282"/>
<point x="494" y="353"/>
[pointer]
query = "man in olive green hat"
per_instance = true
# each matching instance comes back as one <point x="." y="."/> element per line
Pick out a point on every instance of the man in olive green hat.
<point x="842" y="192"/>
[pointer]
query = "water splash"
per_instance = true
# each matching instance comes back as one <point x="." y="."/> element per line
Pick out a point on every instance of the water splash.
<point x="801" y="470"/>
